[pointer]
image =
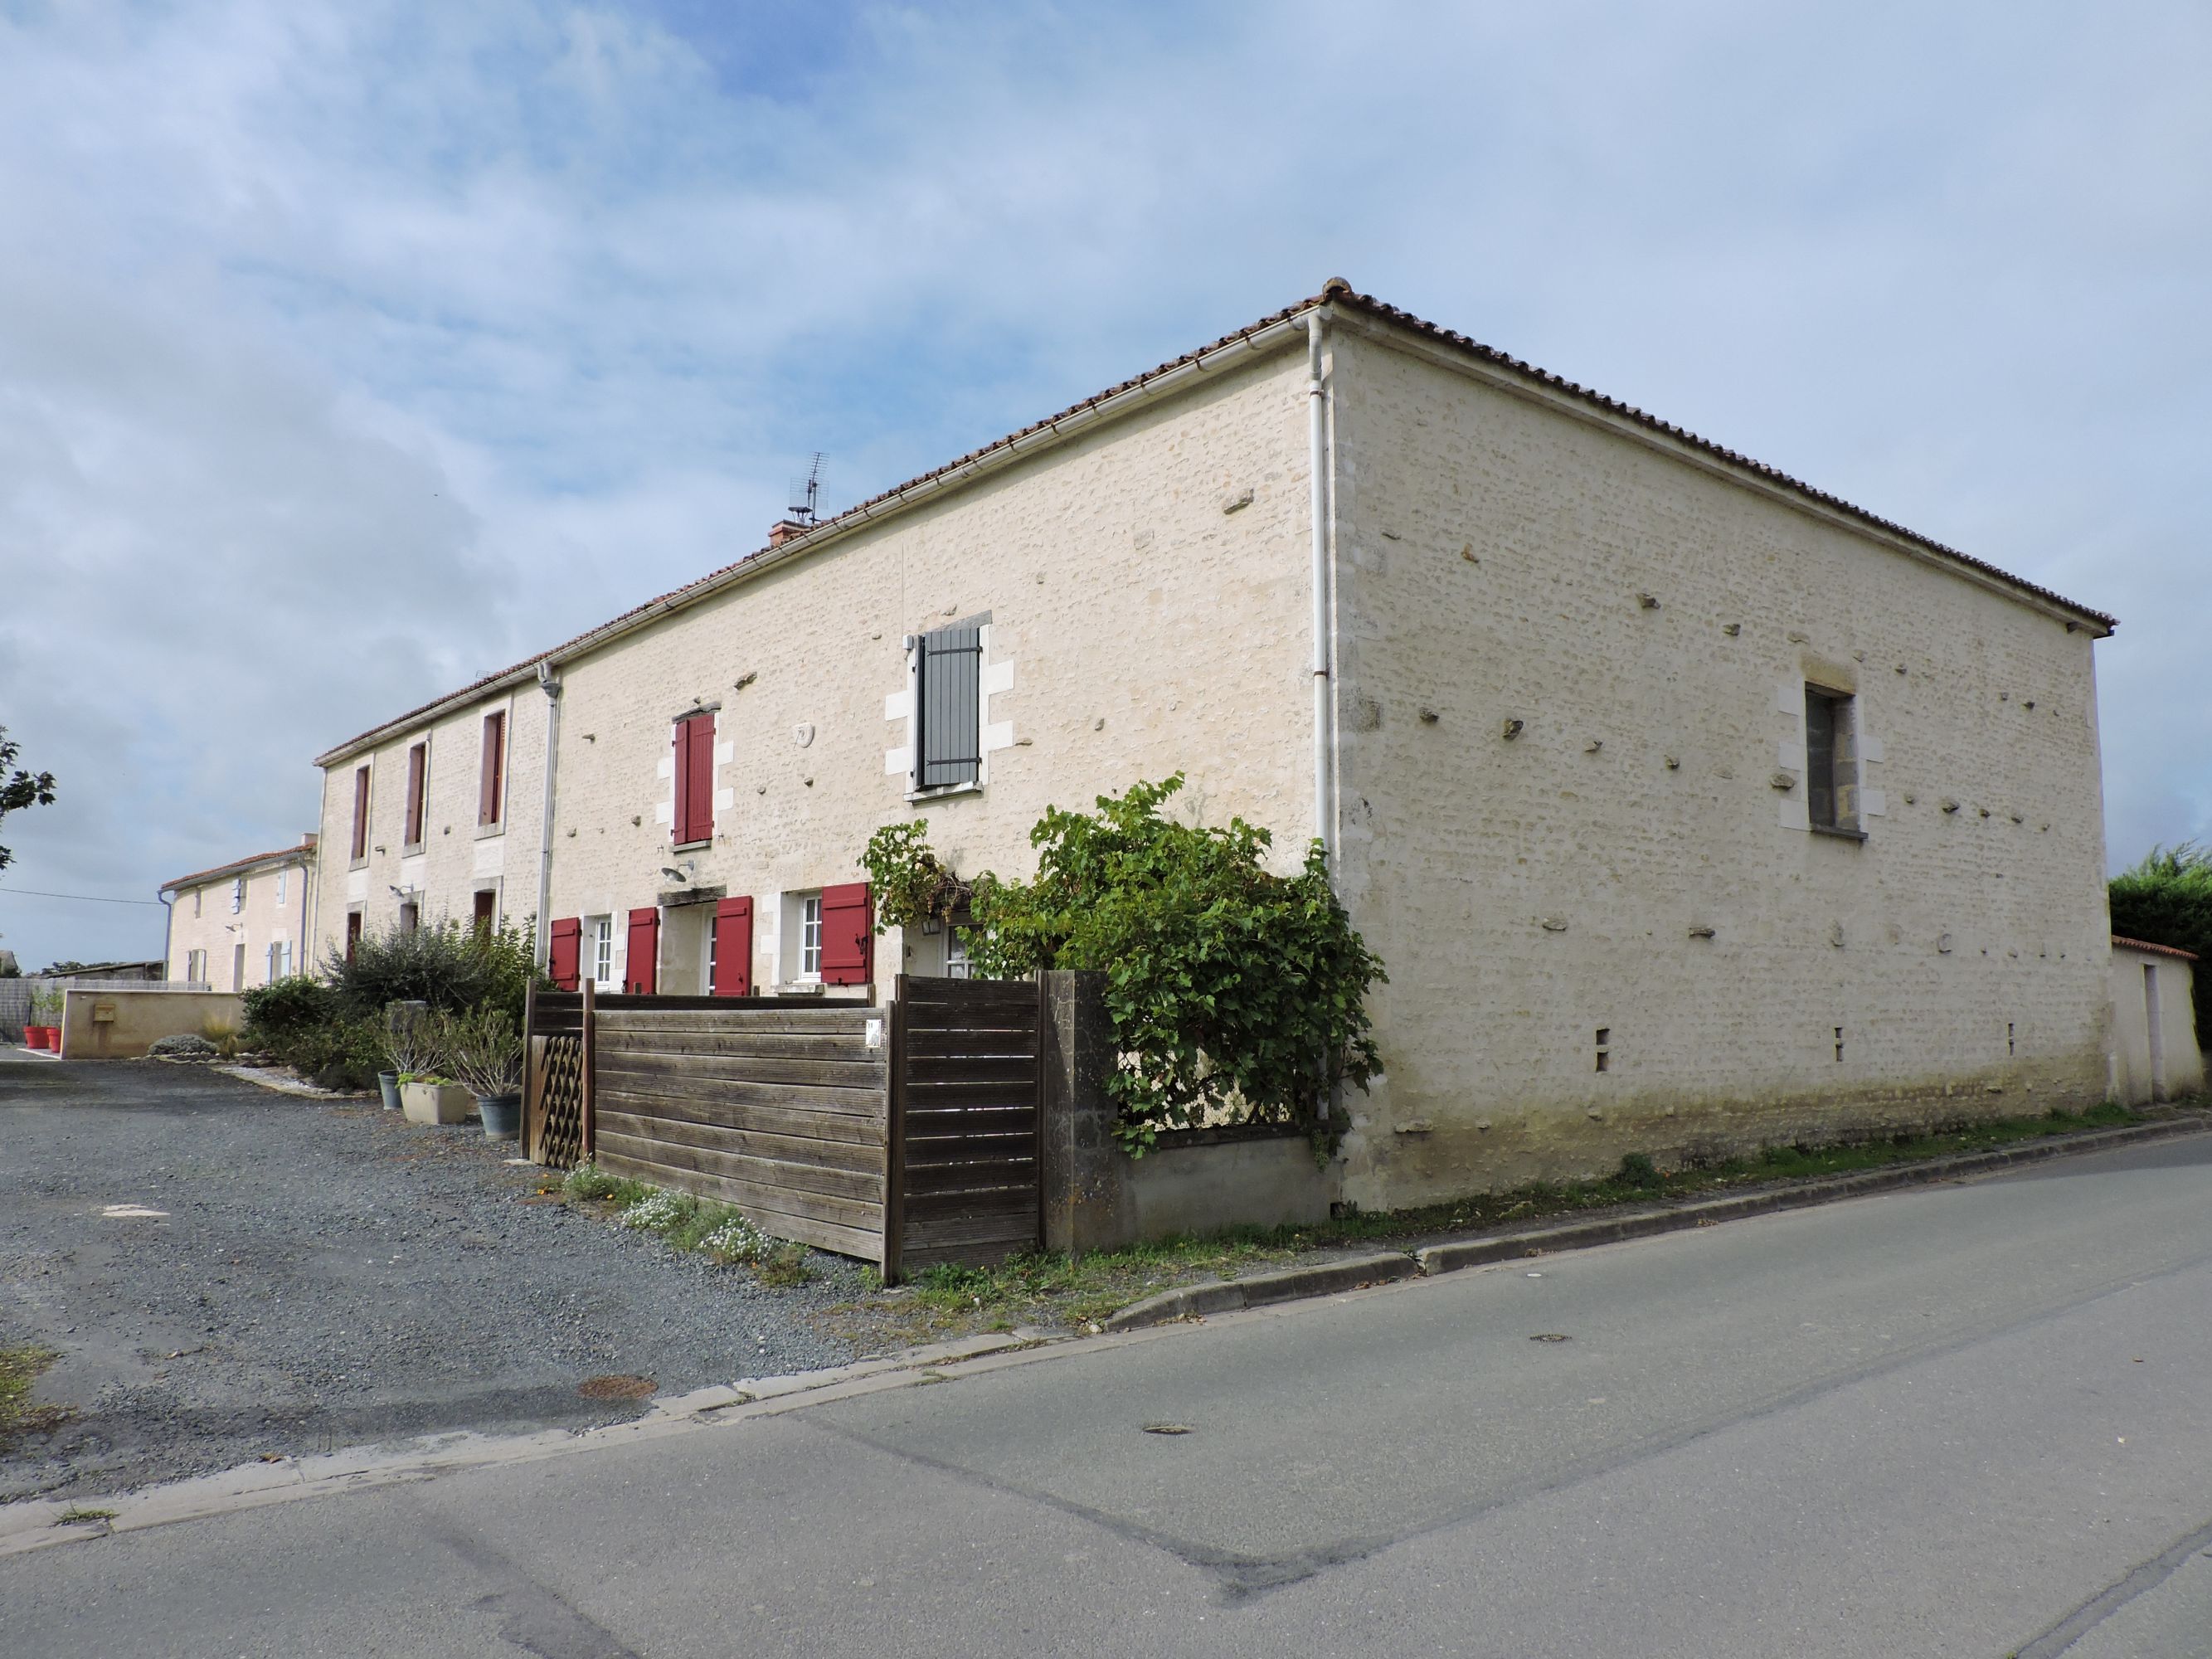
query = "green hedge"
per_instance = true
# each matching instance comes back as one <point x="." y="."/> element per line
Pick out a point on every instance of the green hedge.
<point x="2167" y="900"/>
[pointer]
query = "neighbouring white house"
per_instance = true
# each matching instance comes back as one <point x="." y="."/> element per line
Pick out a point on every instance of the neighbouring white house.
<point x="2155" y="1044"/>
<point x="244" y="923"/>
<point x="1689" y="807"/>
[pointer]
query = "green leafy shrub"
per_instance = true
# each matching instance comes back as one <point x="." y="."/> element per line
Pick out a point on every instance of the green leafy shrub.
<point x="339" y="1054"/>
<point x="448" y="966"/>
<point x="1236" y="995"/>
<point x="2166" y="899"/>
<point x="283" y="1008"/>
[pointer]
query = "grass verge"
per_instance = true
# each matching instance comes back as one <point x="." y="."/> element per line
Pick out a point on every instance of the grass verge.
<point x="1051" y="1290"/>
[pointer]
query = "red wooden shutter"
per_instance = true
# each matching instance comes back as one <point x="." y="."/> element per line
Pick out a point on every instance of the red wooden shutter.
<point x="642" y="969"/>
<point x="566" y="951"/>
<point x="700" y="734"/>
<point x="693" y="816"/>
<point x="847" y="939"/>
<point x="360" y="813"/>
<point x="494" y="768"/>
<point x="733" y="948"/>
<point x="418" y="767"/>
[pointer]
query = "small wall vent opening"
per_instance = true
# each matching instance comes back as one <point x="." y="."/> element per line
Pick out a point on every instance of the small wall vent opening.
<point x="2009" y="1049"/>
<point x="1605" y="1047"/>
<point x="1839" y="1044"/>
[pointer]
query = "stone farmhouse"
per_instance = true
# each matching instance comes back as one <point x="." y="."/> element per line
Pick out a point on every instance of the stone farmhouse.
<point x="1689" y="808"/>
<point x="244" y="923"/>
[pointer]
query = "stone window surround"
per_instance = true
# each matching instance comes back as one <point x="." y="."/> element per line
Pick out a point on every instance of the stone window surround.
<point x="995" y="676"/>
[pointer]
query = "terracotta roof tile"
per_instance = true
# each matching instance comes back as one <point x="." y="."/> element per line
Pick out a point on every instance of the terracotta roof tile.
<point x="303" y="853"/>
<point x="2156" y="949"/>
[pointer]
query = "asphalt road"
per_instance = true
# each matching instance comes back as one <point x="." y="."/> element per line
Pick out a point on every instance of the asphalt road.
<point x="1964" y="1420"/>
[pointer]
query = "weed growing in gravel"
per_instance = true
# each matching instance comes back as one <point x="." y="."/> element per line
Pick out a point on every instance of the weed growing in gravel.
<point x="79" y="1514"/>
<point x="786" y="1265"/>
<point x="736" y="1239"/>
<point x="720" y="1232"/>
<point x="589" y="1182"/>
<point x="19" y="1368"/>
<point x="659" y="1211"/>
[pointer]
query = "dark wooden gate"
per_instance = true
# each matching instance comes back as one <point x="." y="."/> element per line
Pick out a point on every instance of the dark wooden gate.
<point x="965" y="1099"/>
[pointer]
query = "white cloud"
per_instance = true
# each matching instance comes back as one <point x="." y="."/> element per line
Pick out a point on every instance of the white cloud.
<point x="321" y="324"/>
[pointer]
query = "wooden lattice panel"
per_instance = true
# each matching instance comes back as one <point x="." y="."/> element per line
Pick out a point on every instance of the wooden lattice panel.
<point x="558" y="1117"/>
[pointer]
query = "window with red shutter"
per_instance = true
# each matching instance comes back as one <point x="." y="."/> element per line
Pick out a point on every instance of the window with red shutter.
<point x="847" y="939"/>
<point x="693" y="819"/>
<point x="360" y="815"/>
<point x="491" y="776"/>
<point x="641" y="971"/>
<point x="733" y="948"/>
<point x="565" y="952"/>
<point x="418" y="778"/>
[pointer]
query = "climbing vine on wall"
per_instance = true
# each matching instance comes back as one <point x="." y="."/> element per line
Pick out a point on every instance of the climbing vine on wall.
<point x="1237" y="994"/>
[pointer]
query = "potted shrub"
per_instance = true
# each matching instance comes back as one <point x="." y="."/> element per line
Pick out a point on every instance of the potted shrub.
<point x="44" y="1031"/>
<point x="427" y="1095"/>
<point x="484" y="1051"/>
<point x="407" y="1047"/>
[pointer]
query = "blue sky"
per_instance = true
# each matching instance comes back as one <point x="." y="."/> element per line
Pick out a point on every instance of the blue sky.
<point x="348" y="351"/>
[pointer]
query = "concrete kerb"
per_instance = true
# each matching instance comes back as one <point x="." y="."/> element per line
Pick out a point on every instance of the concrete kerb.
<point x="39" y="1523"/>
<point x="1333" y="1278"/>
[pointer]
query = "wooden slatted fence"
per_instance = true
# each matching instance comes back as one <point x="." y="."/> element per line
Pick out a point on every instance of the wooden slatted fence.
<point x="964" y="1134"/>
<point x="905" y="1136"/>
<point x="783" y="1111"/>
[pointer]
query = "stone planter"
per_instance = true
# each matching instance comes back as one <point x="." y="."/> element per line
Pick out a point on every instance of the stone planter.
<point x="434" y="1102"/>
<point x="501" y="1115"/>
<point x="387" y="1086"/>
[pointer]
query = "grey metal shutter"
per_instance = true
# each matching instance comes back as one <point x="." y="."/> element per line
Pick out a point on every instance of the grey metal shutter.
<point x="951" y="706"/>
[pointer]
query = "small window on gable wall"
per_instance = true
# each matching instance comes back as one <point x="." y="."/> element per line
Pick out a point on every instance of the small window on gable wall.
<point x="360" y="815"/>
<point x="948" y="703"/>
<point x="237" y="894"/>
<point x="418" y="784"/>
<point x="1830" y="775"/>
<point x="491" y="770"/>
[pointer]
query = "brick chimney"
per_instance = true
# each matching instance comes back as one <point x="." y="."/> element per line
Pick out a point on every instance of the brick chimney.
<point x="785" y="530"/>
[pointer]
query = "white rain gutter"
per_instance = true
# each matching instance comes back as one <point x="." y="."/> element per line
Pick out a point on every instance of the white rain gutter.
<point x="552" y="687"/>
<point x="1317" y="470"/>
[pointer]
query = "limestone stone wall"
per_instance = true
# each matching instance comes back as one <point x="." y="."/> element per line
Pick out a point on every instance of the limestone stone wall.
<point x="1572" y="758"/>
<point x="458" y="857"/>
<point x="272" y="901"/>
<point x="1146" y="591"/>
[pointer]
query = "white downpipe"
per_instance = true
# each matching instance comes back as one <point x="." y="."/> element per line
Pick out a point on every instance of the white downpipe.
<point x="1317" y="470"/>
<point x="551" y="688"/>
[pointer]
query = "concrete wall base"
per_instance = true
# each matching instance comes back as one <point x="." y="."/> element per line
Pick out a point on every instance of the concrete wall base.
<point x="1097" y="1197"/>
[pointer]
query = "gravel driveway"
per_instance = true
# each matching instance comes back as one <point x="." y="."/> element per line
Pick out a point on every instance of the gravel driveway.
<point x="324" y="1274"/>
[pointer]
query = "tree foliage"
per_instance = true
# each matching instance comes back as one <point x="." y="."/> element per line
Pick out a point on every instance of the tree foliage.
<point x="2166" y="899"/>
<point x="20" y="788"/>
<point x="1237" y="994"/>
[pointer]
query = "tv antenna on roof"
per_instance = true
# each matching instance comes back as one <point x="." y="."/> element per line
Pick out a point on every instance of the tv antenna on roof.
<point x="806" y="494"/>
